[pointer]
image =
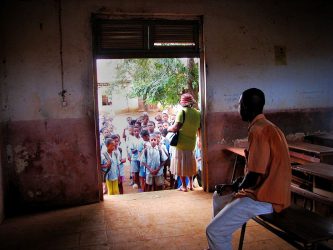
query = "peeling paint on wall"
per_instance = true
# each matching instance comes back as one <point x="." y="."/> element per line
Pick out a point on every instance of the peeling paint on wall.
<point x="21" y="157"/>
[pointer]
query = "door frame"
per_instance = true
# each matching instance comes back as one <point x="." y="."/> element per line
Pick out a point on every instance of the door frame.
<point x="202" y="87"/>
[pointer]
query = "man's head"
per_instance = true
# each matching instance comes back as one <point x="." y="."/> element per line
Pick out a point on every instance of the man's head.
<point x="153" y="140"/>
<point x="251" y="104"/>
<point x="144" y="135"/>
<point x="110" y="144"/>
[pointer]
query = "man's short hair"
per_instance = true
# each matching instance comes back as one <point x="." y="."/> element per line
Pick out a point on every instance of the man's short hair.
<point x="254" y="100"/>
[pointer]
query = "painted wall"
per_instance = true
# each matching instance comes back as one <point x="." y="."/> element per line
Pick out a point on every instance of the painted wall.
<point x="2" y="212"/>
<point x="53" y="147"/>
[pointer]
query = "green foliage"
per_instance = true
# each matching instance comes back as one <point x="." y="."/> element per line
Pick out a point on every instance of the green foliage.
<point x="158" y="80"/>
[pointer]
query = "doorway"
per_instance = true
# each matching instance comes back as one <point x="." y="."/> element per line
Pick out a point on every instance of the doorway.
<point x="141" y="68"/>
<point x="130" y="89"/>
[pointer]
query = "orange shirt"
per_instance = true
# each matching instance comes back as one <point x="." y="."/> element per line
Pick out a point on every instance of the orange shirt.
<point x="269" y="156"/>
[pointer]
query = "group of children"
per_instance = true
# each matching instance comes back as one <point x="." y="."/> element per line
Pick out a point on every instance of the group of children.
<point x="146" y="148"/>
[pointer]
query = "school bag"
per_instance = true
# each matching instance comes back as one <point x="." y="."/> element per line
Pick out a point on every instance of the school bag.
<point x="173" y="137"/>
<point x="159" y="150"/>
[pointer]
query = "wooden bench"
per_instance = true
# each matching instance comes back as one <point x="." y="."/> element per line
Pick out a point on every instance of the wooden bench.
<point x="300" y="228"/>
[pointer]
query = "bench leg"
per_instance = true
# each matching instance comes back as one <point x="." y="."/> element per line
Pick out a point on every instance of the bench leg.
<point x="241" y="239"/>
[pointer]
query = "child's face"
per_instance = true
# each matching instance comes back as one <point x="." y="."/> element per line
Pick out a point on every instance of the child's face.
<point x="116" y="142"/>
<point x="129" y="119"/>
<point x="110" y="128"/>
<point x="153" y="141"/>
<point x="151" y="127"/>
<point x="130" y="130"/>
<point x="106" y="132"/>
<point x="165" y="125"/>
<point x="165" y="117"/>
<point x="145" y="119"/>
<point x="136" y="132"/>
<point x="158" y="117"/>
<point x="111" y="146"/>
<point x="137" y="125"/>
<point x="160" y="127"/>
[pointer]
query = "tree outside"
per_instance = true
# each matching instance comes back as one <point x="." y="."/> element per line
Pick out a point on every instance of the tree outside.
<point x="158" y="81"/>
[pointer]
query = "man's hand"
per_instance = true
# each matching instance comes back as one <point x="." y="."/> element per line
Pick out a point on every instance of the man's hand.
<point x="240" y="194"/>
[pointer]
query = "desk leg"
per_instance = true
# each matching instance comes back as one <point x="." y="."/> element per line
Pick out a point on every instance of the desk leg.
<point x="234" y="170"/>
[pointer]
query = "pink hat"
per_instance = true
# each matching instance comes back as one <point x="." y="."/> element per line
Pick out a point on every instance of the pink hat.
<point x="186" y="99"/>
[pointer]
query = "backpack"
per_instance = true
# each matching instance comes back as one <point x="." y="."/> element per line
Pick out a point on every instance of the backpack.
<point x="159" y="150"/>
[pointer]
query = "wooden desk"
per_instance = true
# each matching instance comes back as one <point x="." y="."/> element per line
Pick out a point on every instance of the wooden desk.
<point x="237" y="151"/>
<point x="317" y="169"/>
<point x="320" y="139"/>
<point x="311" y="152"/>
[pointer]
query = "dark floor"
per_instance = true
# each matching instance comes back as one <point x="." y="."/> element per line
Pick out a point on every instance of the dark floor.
<point x="156" y="220"/>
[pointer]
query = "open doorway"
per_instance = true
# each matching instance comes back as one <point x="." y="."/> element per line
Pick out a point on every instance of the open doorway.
<point x="142" y="65"/>
<point x="142" y="96"/>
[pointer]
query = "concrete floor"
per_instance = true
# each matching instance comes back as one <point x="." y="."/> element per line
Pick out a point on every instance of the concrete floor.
<point x="156" y="220"/>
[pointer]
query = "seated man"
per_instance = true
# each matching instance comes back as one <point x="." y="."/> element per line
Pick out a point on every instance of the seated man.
<point x="266" y="184"/>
